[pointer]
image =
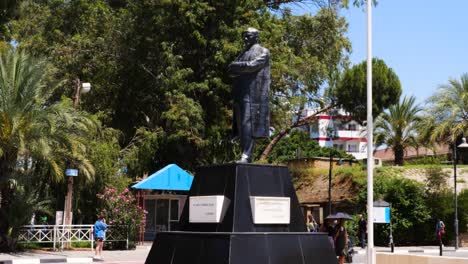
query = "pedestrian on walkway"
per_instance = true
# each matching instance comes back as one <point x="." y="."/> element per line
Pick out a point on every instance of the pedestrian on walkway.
<point x="31" y="228"/>
<point x="99" y="234"/>
<point x="341" y="241"/>
<point x="362" y="231"/>
<point x="440" y="230"/>
<point x="312" y="225"/>
<point x="43" y="228"/>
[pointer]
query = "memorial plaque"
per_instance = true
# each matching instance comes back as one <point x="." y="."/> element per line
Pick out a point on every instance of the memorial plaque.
<point x="270" y="210"/>
<point x="207" y="209"/>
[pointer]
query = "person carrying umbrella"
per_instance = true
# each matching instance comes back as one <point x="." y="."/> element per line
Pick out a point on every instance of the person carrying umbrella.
<point x="341" y="237"/>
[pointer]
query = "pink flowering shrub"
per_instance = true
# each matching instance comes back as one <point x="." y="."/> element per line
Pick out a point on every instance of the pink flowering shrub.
<point x="121" y="209"/>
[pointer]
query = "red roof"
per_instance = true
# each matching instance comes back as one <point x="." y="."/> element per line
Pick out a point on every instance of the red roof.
<point x="387" y="154"/>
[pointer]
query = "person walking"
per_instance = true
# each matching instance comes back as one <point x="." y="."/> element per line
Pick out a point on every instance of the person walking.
<point x="44" y="227"/>
<point x="99" y="233"/>
<point x="312" y="225"/>
<point x="362" y="231"/>
<point x="440" y="230"/>
<point x="341" y="241"/>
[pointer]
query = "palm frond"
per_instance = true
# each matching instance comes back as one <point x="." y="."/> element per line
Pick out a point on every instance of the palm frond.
<point x="397" y="127"/>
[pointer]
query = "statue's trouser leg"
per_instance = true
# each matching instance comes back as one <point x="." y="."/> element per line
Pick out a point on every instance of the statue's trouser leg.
<point x="247" y="141"/>
<point x="238" y="119"/>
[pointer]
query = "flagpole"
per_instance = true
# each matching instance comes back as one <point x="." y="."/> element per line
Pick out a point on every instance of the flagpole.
<point x="370" y="149"/>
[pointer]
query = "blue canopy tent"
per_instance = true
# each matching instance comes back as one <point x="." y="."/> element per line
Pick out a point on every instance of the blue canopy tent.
<point x="171" y="177"/>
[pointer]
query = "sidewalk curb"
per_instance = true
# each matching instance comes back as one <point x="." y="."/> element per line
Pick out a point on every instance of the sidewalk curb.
<point x="47" y="260"/>
<point x="409" y="251"/>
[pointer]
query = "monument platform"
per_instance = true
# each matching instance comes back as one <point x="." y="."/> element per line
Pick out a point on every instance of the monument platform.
<point x="240" y="231"/>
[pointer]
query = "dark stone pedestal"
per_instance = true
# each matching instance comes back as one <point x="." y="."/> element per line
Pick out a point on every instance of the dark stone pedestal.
<point x="241" y="248"/>
<point x="236" y="239"/>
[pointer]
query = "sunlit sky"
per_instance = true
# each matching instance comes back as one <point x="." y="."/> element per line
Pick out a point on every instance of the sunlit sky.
<point x="424" y="41"/>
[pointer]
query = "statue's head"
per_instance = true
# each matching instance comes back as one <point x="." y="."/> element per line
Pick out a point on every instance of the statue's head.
<point x="250" y="36"/>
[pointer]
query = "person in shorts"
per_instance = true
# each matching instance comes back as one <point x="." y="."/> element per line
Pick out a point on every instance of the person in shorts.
<point x="99" y="233"/>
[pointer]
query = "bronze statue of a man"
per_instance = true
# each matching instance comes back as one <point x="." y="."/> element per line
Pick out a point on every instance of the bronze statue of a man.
<point x="251" y="73"/>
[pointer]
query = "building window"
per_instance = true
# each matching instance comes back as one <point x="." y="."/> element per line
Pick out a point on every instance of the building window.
<point x="352" y="127"/>
<point x="338" y="146"/>
<point x="314" y="128"/>
<point x="352" y="148"/>
<point x="339" y="126"/>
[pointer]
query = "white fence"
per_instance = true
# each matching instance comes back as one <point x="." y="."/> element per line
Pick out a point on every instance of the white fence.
<point x="59" y="235"/>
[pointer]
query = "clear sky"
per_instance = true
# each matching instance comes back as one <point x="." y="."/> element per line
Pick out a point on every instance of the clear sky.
<point x="424" y="41"/>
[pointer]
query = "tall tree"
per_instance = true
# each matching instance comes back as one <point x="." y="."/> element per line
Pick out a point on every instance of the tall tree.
<point x="446" y="117"/>
<point x="351" y="92"/>
<point x="36" y="134"/>
<point x="311" y="51"/>
<point x="397" y="127"/>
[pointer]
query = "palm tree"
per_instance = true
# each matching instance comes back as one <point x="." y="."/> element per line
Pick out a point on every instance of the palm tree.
<point x="36" y="134"/>
<point x="447" y="114"/>
<point x="396" y="127"/>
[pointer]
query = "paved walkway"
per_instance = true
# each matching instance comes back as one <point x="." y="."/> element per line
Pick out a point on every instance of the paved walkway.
<point x="136" y="256"/>
<point x="410" y="250"/>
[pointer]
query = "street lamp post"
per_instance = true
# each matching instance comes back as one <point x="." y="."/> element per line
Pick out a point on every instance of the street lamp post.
<point x="331" y="133"/>
<point x="330" y="183"/>
<point x="455" y="147"/>
<point x="80" y="88"/>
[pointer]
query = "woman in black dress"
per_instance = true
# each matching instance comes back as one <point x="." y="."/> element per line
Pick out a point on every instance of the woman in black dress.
<point x="341" y="238"/>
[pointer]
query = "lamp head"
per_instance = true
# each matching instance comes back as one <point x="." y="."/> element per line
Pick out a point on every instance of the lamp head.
<point x="463" y="144"/>
<point x="85" y="87"/>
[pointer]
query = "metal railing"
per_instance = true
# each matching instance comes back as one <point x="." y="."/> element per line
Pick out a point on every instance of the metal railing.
<point x="60" y="235"/>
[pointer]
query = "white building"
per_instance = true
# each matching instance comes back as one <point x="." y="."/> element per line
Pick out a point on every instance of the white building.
<point x="339" y="131"/>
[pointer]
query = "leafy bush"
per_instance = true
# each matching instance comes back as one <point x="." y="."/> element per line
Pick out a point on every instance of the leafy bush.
<point x="81" y="244"/>
<point x="416" y="207"/>
<point x="434" y="160"/>
<point x="121" y="209"/>
<point x="436" y="178"/>
<point x="299" y="145"/>
<point x="409" y="208"/>
<point x="33" y="246"/>
<point x="357" y="173"/>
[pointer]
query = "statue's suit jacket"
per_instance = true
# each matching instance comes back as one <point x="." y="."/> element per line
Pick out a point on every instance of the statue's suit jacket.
<point x="252" y="83"/>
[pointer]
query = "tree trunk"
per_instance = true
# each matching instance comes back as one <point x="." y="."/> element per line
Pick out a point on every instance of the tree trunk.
<point x="284" y="132"/>
<point x="6" y="194"/>
<point x="399" y="155"/>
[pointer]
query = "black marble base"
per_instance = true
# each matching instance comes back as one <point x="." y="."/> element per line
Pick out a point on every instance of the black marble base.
<point x="241" y="248"/>
<point x="236" y="239"/>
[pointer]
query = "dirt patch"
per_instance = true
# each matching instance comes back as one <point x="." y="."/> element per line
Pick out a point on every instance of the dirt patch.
<point x="316" y="190"/>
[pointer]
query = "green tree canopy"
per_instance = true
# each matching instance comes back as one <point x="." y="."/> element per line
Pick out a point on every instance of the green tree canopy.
<point x="162" y="64"/>
<point x="298" y="144"/>
<point x="351" y="92"/>
<point x="38" y="136"/>
<point x="446" y="117"/>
